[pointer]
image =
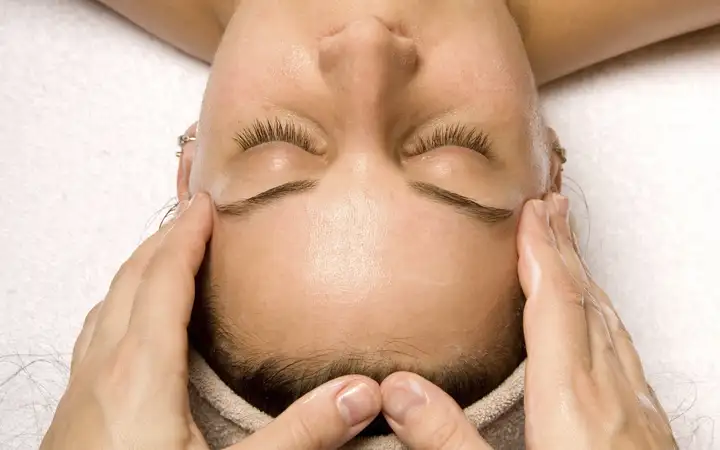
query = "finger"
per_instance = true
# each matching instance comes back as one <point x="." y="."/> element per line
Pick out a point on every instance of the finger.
<point x="326" y="418"/>
<point x="559" y="211"/>
<point x="610" y="343"/>
<point x="656" y="412"/>
<point x="602" y="351"/>
<point x="83" y="340"/>
<point x="165" y="296"/>
<point x="424" y="417"/>
<point x="187" y="153"/>
<point x="114" y="315"/>
<point x="554" y="318"/>
<point x="625" y="350"/>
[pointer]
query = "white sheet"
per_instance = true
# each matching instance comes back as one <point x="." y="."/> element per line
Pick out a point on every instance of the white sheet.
<point x="89" y="110"/>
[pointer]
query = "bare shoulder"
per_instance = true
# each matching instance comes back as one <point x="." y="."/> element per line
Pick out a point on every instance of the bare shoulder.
<point x="193" y="26"/>
<point x="564" y="36"/>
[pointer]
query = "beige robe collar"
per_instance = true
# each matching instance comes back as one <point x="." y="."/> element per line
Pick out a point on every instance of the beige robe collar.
<point x="224" y="418"/>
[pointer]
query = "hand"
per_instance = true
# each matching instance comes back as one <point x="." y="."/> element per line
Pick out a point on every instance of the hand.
<point x="585" y="386"/>
<point x="128" y="381"/>
<point x="424" y="417"/>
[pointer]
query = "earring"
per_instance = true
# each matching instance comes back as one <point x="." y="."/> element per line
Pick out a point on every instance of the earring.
<point x="561" y="152"/>
<point x="181" y="141"/>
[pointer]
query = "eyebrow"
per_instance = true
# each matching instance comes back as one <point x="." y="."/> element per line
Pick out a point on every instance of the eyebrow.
<point x="248" y="205"/>
<point x="462" y="204"/>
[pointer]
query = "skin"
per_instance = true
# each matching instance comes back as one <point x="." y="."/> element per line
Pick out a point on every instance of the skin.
<point x="560" y="37"/>
<point x="585" y="384"/>
<point x="337" y="75"/>
<point x="129" y="367"/>
<point x="362" y="248"/>
<point x="365" y="80"/>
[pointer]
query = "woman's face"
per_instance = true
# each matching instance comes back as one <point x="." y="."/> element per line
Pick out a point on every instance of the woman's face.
<point x="369" y="161"/>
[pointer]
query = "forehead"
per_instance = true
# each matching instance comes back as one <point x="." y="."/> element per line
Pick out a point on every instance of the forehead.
<point x="363" y="267"/>
<point x="342" y="240"/>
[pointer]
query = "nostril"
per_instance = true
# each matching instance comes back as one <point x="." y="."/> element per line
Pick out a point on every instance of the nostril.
<point x="368" y="36"/>
<point x="379" y="24"/>
<point x="396" y="27"/>
<point x="368" y="31"/>
<point x="365" y="60"/>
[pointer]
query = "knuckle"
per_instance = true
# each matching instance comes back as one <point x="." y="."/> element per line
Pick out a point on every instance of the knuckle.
<point x="621" y="333"/>
<point x="572" y="291"/>
<point x="593" y="307"/>
<point x="92" y="316"/>
<point x="128" y="269"/>
<point x="614" y="322"/>
<point x="584" y="386"/>
<point x="75" y="359"/>
<point x="598" y="291"/>
<point x="303" y="434"/>
<point x="115" y="382"/>
<point x="111" y="381"/>
<point x="85" y="336"/>
<point x="617" y="419"/>
<point x="79" y="346"/>
<point x="118" y="367"/>
<point x="608" y="352"/>
<point x="446" y="435"/>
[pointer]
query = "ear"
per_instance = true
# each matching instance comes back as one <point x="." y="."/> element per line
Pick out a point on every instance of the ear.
<point x="556" y="159"/>
<point x="185" y="162"/>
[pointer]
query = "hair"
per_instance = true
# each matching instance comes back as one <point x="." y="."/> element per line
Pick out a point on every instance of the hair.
<point x="271" y="381"/>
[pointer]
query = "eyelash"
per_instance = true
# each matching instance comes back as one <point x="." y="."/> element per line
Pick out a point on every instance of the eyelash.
<point x="458" y="135"/>
<point x="262" y="132"/>
<point x="271" y="131"/>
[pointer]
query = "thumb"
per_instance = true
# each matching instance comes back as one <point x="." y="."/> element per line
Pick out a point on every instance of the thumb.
<point x="424" y="417"/>
<point x="325" y="418"/>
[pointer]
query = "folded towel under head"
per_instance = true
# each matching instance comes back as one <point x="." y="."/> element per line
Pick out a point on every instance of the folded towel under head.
<point x="224" y="418"/>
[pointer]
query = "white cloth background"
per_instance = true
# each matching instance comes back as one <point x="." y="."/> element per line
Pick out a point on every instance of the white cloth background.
<point x="89" y="109"/>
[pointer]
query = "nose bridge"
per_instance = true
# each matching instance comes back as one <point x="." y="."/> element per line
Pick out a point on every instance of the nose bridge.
<point x="366" y="164"/>
<point x="363" y="64"/>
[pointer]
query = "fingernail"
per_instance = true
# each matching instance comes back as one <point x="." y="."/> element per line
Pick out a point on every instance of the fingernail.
<point x="357" y="403"/>
<point x="403" y="398"/>
<point x="562" y="205"/>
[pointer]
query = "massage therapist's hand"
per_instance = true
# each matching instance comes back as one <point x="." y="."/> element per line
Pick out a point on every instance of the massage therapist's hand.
<point x="129" y="375"/>
<point x="585" y="386"/>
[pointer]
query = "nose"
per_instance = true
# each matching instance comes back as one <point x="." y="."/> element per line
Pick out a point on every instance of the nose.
<point x="364" y="64"/>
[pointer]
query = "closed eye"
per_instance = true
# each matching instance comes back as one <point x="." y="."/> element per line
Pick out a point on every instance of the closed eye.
<point x="452" y="135"/>
<point x="263" y="132"/>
